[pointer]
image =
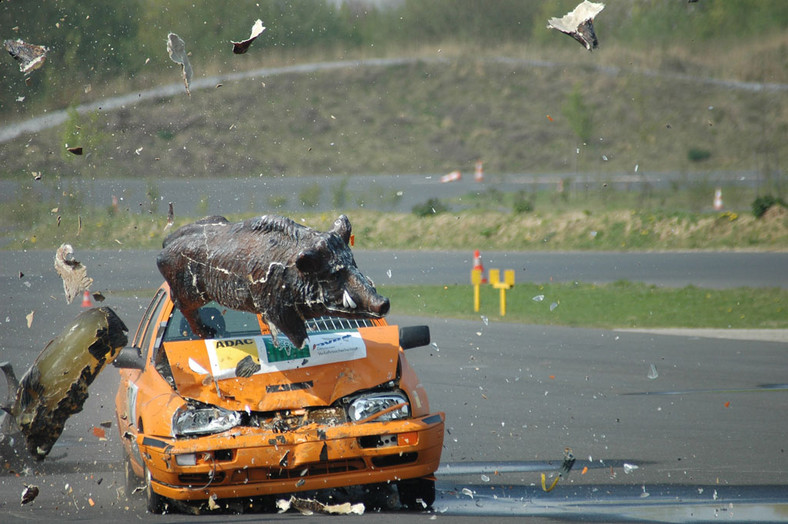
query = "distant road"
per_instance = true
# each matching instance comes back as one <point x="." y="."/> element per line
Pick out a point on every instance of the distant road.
<point x="55" y="118"/>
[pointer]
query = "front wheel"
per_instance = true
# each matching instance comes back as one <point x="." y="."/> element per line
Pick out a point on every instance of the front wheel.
<point x="132" y="481"/>
<point x="156" y="503"/>
<point x="417" y="494"/>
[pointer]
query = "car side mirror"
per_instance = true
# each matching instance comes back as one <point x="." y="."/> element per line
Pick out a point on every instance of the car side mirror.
<point x="129" y="358"/>
<point x="414" y="336"/>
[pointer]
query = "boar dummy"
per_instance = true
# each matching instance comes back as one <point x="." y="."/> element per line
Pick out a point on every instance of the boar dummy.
<point x="269" y="265"/>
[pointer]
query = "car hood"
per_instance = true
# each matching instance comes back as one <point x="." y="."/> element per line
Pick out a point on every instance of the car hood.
<point x="331" y="366"/>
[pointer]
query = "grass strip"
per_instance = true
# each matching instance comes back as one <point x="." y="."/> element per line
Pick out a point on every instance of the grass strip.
<point x="620" y="304"/>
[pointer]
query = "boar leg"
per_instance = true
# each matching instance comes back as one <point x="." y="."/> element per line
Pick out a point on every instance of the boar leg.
<point x="291" y="323"/>
<point x="200" y="329"/>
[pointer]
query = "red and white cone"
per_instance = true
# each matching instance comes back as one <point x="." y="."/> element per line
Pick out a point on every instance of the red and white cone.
<point x="86" y="302"/>
<point x="477" y="264"/>
<point x="718" y="199"/>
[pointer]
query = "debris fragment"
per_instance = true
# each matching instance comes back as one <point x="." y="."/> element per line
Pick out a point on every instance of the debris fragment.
<point x="29" y="318"/>
<point x="242" y="47"/>
<point x="312" y="506"/>
<point x="246" y="367"/>
<point x="73" y="273"/>
<point x="98" y="296"/>
<point x="29" y="494"/>
<point x="176" y="48"/>
<point x="56" y="385"/>
<point x="100" y="433"/>
<point x="566" y="467"/>
<point x="74" y="150"/>
<point x="629" y="468"/>
<point x="579" y="23"/>
<point x="652" y="372"/>
<point x="538" y="298"/>
<point x="29" y="56"/>
<point x="170" y="217"/>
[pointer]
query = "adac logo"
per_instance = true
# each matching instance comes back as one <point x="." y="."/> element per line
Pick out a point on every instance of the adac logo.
<point x="234" y="343"/>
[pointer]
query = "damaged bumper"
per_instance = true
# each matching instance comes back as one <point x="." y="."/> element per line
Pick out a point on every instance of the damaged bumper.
<point x="249" y="462"/>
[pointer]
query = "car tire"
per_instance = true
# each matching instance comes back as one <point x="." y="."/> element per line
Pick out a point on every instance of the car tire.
<point x="156" y="503"/>
<point x="131" y="481"/>
<point x="416" y="494"/>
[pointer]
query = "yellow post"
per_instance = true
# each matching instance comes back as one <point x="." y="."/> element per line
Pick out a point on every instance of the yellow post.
<point x="476" y="280"/>
<point x="508" y="283"/>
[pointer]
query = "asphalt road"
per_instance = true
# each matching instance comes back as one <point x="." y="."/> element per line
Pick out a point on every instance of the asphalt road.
<point x="671" y="428"/>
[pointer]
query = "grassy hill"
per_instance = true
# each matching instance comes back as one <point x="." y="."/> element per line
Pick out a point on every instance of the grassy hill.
<point x="520" y="110"/>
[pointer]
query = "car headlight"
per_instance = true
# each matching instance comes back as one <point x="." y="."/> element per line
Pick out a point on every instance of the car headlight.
<point x="379" y="407"/>
<point x="192" y="419"/>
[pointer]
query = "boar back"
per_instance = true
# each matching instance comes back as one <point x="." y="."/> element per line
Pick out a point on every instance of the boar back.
<point x="269" y="265"/>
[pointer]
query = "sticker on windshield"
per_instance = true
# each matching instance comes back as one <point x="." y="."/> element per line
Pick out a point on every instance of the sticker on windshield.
<point x="321" y="348"/>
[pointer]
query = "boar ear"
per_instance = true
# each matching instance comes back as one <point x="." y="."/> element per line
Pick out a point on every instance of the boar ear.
<point x="342" y="228"/>
<point x="308" y="261"/>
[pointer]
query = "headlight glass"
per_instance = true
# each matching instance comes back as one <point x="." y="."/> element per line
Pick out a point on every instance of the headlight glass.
<point x="367" y="406"/>
<point x="193" y="419"/>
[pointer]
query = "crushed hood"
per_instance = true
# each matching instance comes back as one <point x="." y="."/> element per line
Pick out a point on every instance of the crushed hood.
<point x="329" y="367"/>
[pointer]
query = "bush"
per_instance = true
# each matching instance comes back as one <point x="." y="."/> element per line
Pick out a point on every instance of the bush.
<point x="762" y="204"/>
<point x="523" y="203"/>
<point x="698" y="155"/>
<point x="433" y="206"/>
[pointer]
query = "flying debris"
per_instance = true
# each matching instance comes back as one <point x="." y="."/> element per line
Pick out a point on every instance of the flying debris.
<point x="579" y="23"/>
<point x="29" y="56"/>
<point x="176" y="48"/>
<point x="307" y="506"/>
<point x="56" y="385"/>
<point x="170" y="218"/>
<point x="242" y="47"/>
<point x="73" y="273"/>
<point x="566" y="467"/>
<point x="29" y="494"/>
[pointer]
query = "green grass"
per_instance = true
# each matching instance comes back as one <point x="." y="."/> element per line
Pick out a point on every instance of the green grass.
<point x="617" y="305"/>
<point x="581" y="221"/>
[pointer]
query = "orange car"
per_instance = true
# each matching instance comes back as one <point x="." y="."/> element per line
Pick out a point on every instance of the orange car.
<point x="241" y="416"/>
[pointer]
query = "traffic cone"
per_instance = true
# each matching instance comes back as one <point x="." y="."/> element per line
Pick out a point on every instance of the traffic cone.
<point x="86" y="300"/>
<point x="477" y="264"/>
<point x="718" y="199"/>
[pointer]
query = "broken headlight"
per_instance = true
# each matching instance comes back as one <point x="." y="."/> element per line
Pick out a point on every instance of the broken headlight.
<point x="378" y="407"/>
<point x="201" y="419"/>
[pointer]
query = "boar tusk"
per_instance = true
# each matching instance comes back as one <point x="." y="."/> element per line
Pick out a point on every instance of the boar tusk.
<point x="347" y="301"/>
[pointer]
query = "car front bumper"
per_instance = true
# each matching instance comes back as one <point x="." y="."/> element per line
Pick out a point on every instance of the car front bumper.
<point x="249" y="462"/>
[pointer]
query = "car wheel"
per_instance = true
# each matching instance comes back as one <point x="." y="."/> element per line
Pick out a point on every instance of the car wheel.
<point x="416" y="494"/>
<point x="156" y="503"/>
<point x="132" y="481"/>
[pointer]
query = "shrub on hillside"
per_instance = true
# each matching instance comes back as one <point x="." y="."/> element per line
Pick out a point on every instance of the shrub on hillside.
<point x="762" y="204"/>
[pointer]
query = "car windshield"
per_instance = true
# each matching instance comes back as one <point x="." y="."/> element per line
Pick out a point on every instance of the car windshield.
<point x="230" y="323"/>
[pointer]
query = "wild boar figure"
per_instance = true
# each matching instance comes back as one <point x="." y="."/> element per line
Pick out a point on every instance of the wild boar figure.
<point x="269" y="265"/>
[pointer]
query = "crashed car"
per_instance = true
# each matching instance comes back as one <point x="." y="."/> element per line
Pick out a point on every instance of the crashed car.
<point x="244" y="415"/>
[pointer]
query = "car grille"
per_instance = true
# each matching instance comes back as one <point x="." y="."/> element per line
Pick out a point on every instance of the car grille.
<point x="282" y="422"/>
<point x="331" y="467"/>
<point x="336" y="324"/>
